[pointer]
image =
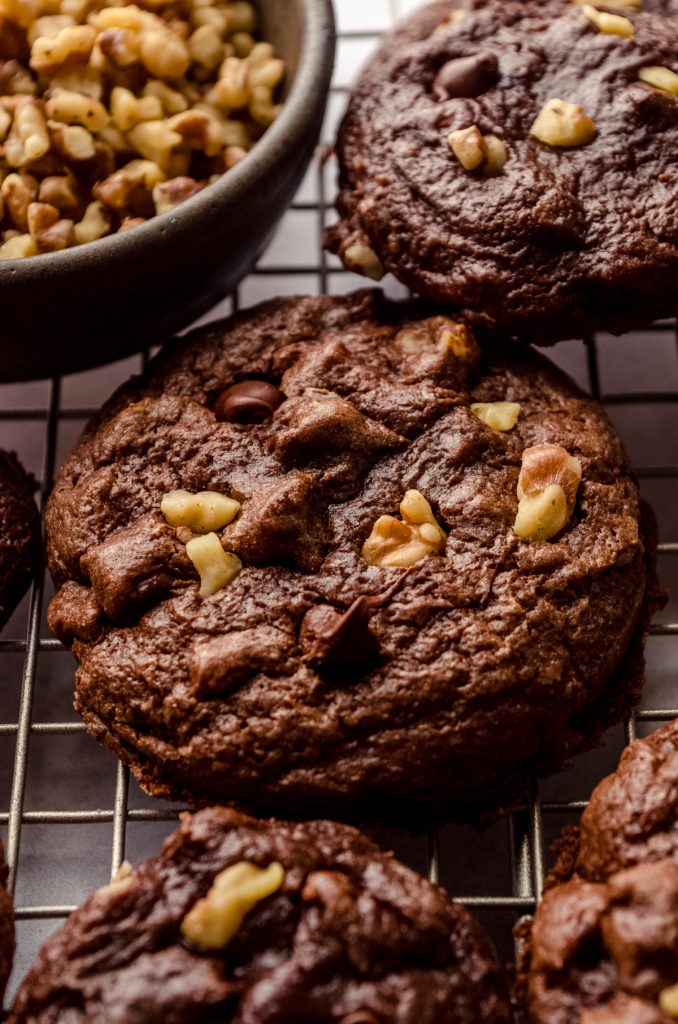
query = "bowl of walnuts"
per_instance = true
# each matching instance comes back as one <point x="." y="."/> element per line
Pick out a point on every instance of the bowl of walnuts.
<point x="147" y="152"/>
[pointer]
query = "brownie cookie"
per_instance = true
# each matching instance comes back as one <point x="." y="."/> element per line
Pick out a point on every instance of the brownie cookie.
<point x="20" y="540"/>
<point x="6" y="928"/>
<point x="266" y="923"/>
<point x="604" y="944"/>
<point x="319" y="561"/>
<point x="517" y="160"/>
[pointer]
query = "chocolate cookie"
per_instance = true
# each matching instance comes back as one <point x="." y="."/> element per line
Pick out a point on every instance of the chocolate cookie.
<point x="266" y="923"/>
<point x="6" y="928"/>
<point x="320" y="561"/>
<point x="517" y="160"/>
<point x="19" y="533"/>
<point x="604" y="943"/>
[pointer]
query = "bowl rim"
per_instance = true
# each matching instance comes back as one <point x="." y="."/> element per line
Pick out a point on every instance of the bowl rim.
<point x="309" y="88"/>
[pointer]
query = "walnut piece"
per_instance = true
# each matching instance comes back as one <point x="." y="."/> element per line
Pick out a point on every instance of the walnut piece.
<point x="547" y="491"/>
<point x="216" y="567"/>
<point x="122" y="879"/>
<point x="363" y="260"/>
<point x="94" y="224"/>
<point x="404" y="543"/>
<point x="668" y="1001"/>
<point x="496" y="156"/>
<point x="17" y="246"/>
<point x="474" y="150"/>
<point x="610" y="24"/>
<point x="563" y="124"/>
<point x="614" y="5"/>
<point x="202" y="513"/>
<point x="497" y="415"/>
<point x="214" y="920"/>
<point x="439" y="333"/>
<point x="660" y="78"/>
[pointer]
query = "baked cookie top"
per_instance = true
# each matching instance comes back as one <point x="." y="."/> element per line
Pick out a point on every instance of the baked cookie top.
<point x="20" y="540"/>
<point x="6" y="927"/>
<point x="363" y="616"/>
<point x="604" y="944"/>
<point x="266" y="922"/>
<point x="517" y="160"/>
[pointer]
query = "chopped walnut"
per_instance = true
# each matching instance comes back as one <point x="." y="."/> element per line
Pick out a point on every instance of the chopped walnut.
<point x="72" y="45"/>
<point x="18" y="191"/>
<point x="439" y="333"/>
<point x="73" y="141"/>
<point x="497" y="415"/>
<point x="363" y="260"/>
<point x="610" y="24"/>
<point x="660" y="78"/>
<point x="563" y="124"/>
<point x="45" y="226"/>
<point x="95" y="224"/>
<point x="214" y="920"/>
<point x="168" y="194"/>
<point x="88" y="88"/>
<point x="201" y="513"/>
<point x="467" y="146"/>
<point x="131" y="222"/>
<point x="61" y="191"/>
<point x="216" y="567"/>
<point x="28" y="139"/>
<point x="122" y="879"/>
<point x="547" y="491"/>
<point x="74" y="108"/>
<point x="496" y="157"/>
<point x="614" y="5"/>
<point x="668" y="1001"/>
<point x="404" y="543"/>
<point x="474" y="151"/>
<point x="16" y="80"/>
<point x="17" y="246"/>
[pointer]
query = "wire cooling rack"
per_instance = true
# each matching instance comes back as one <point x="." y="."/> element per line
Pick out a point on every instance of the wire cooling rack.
<point x="69" y="812"/>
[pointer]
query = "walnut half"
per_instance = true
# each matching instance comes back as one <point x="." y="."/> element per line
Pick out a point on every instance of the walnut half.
<point x="547" y="491"/>
<point x="404" y="543"/>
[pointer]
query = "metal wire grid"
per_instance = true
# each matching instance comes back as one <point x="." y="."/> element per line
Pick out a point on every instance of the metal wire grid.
<point x="525" y="827"/>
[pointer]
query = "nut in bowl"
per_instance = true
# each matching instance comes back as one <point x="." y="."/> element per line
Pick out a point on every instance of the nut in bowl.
<point x="190" y="122"/>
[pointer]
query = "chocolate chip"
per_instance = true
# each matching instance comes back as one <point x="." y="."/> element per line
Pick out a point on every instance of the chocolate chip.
<point x="336" y="640"/>
<point x="466" y="77"/>
<point x="251" y="401"/>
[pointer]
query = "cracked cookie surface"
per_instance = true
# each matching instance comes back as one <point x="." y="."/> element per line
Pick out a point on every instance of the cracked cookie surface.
<point x="20" y="540"/>
<point x="387" y="637"/>
<point x="604" y="942"/>
<point x="533" y="240"/>
<point x="350" y="937"/>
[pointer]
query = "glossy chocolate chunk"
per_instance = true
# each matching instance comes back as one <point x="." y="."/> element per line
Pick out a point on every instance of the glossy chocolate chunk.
<point x="250" y="401"/>
<point x="335" y="640"/>
<point x="466" y="76"/>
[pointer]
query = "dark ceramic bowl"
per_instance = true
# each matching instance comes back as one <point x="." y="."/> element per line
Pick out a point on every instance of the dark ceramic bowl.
<point x="87" y="305"/>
